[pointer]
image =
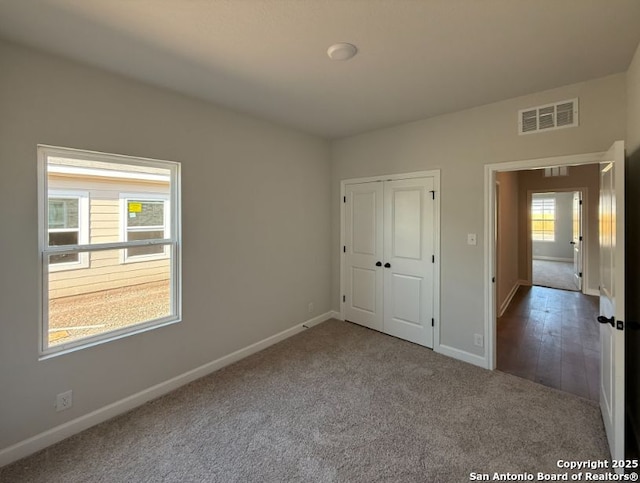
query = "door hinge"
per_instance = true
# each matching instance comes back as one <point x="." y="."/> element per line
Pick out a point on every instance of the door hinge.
<point x="344" y="298"/>
<point x="493" y="279"/>
<point x="433" y="195"/>
<point x="433" y="259"/>
<point x="344" y="199"/>
<point x="344" y="249"/>
<point x="580" y="237"/>
<point x="580" y="201"/>
<point x="580" y="274"/>
<point x="619" y="325"/>
<point x="433" y="322"/>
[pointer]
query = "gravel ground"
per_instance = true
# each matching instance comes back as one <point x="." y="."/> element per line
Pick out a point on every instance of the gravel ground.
<point x="72" y="318"/>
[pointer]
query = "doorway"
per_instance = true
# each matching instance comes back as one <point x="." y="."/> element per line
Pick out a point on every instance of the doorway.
<point x="546" y="328"/>
<point x="556" y="220"/>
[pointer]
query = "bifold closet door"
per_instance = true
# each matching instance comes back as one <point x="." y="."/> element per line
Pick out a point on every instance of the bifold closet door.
<point x="408" y="252"/>
<point x="389" y="248"/>
<point x="363" y="250"/>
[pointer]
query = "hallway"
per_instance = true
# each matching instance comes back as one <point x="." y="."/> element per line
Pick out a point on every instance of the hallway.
<point x="551" y="337"/>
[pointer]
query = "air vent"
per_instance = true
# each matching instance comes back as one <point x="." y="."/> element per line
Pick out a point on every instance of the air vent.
<point x="548" y="117"/>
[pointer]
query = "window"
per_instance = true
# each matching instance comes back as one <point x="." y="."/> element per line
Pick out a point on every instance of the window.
<point x="543" y="218"/>
<point x="68" y="220"/>
<point x="97" y="211"/>
<point x="144" y="217"/>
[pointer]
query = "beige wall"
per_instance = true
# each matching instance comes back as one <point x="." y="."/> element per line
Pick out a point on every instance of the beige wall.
<point x="507" y="237"/>
<point x="255" y="205"/>
<point x="460" y="144"/>
<point x="588" y="177"/>
<point x="633" y="104"/>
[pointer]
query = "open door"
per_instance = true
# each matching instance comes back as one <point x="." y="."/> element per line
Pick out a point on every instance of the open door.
<point x="612" y="309"/>
<point x="576" y="240"/>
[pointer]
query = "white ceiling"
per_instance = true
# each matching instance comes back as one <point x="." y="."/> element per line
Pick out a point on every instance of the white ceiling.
<point x="417" y="58"/>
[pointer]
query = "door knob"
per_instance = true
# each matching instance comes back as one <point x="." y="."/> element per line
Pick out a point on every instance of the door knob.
<point x="387" y="265"/>
<point x="572" y="242"/>
<point x="604" y="320"/>
<point x="378" y="264"/>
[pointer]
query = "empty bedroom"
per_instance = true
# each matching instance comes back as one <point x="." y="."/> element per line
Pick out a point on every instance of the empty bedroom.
<point x="278" y="240"/>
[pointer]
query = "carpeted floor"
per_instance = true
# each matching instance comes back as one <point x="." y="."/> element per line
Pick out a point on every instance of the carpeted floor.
<point x="337" y="402"/>
<point x="552" y="274"/>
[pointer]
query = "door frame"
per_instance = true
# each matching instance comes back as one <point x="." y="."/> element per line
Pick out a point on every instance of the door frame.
<point x="435" y="174"/>
<point x="585" y="234"/>
<point x="490" y="255"/>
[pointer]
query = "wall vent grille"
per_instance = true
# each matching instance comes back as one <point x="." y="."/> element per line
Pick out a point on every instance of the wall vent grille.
<point x="549" y="117"/>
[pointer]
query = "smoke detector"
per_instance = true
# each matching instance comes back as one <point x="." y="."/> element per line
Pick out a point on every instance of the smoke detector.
<point x="342" y="51"/>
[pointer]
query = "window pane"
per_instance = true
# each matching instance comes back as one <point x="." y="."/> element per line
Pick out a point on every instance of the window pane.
<point x="98" y="213"/>
<point x="63" y="213"/>
<point x="144" y="235"/>
<point x="106" y="297"/>
<point x="94" y="295"/>
<point x="543" y="211"/>
<point x="63" y="238"/>
<point x="145" y="213"/>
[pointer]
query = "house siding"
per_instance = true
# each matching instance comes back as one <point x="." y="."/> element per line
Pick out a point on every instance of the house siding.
<point x="106" y="269"/>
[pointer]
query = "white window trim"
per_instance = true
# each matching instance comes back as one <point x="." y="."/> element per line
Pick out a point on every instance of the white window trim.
<point x="83" y="227"/>
<point x="124" y="198"/>
<point x="543" y="198"/>
<point x="173" y="241"/>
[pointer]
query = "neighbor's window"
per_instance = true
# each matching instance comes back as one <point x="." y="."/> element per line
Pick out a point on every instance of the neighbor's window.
<point x="543" y="218"/>
<point x="89" y="219"/>
<point x="68" y="224"/>
<point x="144" y="217"/>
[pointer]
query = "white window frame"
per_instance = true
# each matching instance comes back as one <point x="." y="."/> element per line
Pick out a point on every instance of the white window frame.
<point x="544" y="199"/>
<point x="83" y="227"/>
<point x="124" y="199"/>
<point x="172" y="242"/>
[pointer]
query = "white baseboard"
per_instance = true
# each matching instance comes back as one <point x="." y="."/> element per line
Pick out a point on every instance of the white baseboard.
<point x="462" y="355"/>
<point x="553" y="259"/>
<point x="47" y="438"/>
<point x="509" y="298"/>
<point x="337" y="315"/>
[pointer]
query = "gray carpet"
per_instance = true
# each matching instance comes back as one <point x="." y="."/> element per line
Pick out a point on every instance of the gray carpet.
<point x="337" y="402"/>
<point x="552" y="274"/>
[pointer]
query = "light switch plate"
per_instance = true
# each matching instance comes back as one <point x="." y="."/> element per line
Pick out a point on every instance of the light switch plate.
<point x="472" y="239"/>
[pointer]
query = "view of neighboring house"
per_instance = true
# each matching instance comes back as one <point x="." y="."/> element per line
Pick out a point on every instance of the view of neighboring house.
<point x="90" y="203"/>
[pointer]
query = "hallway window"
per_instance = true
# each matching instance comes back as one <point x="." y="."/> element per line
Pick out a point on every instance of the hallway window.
<point x="543" y="217"/>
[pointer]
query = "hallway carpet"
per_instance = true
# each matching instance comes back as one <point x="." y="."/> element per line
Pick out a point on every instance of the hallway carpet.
<point x="337" y="402"/>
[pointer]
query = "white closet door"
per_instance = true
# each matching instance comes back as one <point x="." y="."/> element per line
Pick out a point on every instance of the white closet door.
<point x="408" y="252"/>
<point x="363" y="249"/>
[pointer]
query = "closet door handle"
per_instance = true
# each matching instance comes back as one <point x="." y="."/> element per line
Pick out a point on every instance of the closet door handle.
<point x="604" y="320"/>
<point x="378" y="264"/>
<point x="387" y="265"/>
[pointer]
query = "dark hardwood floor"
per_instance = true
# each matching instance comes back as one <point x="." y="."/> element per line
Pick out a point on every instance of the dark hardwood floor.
<point x="551" y="337"/>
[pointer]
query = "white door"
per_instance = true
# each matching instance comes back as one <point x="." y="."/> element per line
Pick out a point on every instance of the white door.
<point x="408" y="259"/>
<point x="576" y="240"/>
<point x="612" y="297"/>
<point x="363" y="254"/>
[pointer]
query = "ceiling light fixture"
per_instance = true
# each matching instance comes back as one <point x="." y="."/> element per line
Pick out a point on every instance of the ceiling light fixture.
<point x="342" y="51"/>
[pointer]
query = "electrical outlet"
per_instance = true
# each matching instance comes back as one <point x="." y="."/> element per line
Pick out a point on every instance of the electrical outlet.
<point x="310" y="307"/>
<point x="478" y="340"/>
<point x="472" y="239"/>
<point x="64" y="400"/>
